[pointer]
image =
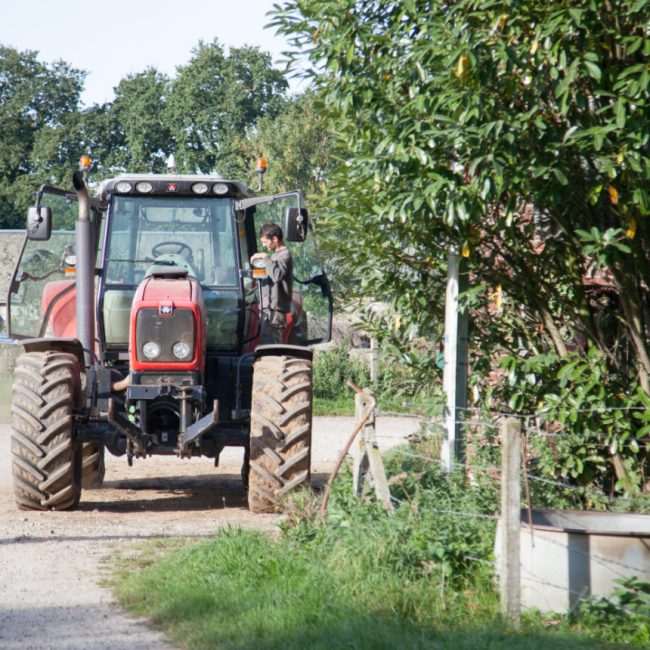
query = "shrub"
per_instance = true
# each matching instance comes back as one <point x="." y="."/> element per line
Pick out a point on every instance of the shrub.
<point x="333" y="368"/>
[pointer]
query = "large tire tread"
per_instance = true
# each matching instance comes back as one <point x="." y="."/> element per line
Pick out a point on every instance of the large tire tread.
<point x="280" y="437"/>
<point x="46" y="459"/>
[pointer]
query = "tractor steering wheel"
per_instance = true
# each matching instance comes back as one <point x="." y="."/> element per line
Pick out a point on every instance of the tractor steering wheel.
<point x="180" y="246"/>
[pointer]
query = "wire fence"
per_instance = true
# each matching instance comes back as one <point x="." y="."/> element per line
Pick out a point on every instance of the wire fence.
<point x="483" y="456"/>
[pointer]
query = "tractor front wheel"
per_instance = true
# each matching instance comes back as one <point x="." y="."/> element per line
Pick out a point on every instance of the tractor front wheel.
<point x="280" y="436"/>
<point x="46" y="459"/>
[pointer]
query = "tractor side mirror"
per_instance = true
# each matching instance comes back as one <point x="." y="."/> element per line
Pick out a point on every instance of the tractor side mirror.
<point x="295" y="224"/>
<point x="39" y="223"/>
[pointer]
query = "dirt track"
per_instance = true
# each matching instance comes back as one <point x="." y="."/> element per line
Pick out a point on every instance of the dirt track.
<point x="50" y="597"/>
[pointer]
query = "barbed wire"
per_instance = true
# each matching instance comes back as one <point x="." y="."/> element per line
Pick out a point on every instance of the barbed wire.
<point x="495" y="471"/>
<point x="544" y="534"/>
<point x="581" y="595"/>
<point x="548" y="411"/>
<point x="456" y="513"/>
<point x="533" y="430"/>
<point x="599" y="559"/>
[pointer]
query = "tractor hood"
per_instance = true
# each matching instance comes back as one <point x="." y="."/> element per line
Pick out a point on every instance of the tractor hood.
<point x="167" y="287"/>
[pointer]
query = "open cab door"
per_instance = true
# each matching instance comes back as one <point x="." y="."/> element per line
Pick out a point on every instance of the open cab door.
<point x="41" y="294"/>
<point x="311" y="314"/>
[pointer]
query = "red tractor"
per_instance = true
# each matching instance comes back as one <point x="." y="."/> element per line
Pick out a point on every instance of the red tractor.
<point x="139" y="315"/>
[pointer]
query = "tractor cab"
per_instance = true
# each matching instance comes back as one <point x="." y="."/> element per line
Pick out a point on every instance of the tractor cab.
<point x="145" y="222"/>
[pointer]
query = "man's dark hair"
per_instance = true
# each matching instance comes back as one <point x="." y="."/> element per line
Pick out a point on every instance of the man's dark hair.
<point x="271" y="230"/>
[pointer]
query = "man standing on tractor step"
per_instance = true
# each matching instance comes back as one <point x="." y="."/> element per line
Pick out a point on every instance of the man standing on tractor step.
<point x="278" y="286"/>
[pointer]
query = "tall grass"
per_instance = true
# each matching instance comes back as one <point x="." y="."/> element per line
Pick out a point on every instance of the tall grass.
<point x="396" y="387"/>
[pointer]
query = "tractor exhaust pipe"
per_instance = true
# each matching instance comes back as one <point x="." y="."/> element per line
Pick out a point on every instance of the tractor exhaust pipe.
<point x="84" y="271"/>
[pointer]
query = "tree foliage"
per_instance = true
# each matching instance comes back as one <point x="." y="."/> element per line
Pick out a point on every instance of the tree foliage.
<point x="297" y="145"/>
<point x="35" y="98"/>
<point x="515" y="132"/>
<point x="141" y="137"/>
<point x="202" y="115"/>
<point x="214" y="99"/>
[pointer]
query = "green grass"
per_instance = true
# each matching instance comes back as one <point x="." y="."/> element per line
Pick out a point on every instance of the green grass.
<point x="362" y="578"/>
<point x="345" y="405"/>
<point x="246" y="590"/>
<point x="333" y="407"/>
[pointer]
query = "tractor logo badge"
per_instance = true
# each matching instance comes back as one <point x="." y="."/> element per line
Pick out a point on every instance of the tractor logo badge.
<point x="166" y="310"/>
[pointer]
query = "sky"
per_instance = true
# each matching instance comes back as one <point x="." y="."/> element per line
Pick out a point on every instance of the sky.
<point x="113" y="38"/>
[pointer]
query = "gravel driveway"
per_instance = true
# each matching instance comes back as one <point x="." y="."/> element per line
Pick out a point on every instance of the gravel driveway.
<point x="50" y="596"/>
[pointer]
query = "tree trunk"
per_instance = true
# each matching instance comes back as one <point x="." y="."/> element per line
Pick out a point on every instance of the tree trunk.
<point x="631" y="305"/>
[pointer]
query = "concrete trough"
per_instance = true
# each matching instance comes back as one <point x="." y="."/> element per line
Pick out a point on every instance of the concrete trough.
<point x="567" y="555"/>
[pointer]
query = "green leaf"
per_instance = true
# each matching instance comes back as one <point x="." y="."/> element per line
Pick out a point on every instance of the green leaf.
<point x="559" y="174"/>
<point x="594" y="70"/>
<point x="624" y="248"/>
<point x="620" y="113"/>
<point x="598" y="141"/>
<point x="576" y="14"/>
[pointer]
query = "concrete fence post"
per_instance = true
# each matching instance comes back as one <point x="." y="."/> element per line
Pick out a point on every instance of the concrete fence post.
<point x="510" y="578"/>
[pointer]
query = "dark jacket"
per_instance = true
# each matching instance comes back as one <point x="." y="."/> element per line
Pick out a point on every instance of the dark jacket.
<point x="278" y="287"/>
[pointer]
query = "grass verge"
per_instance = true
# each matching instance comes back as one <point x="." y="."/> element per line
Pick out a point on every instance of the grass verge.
<point x="244" y="590"/>
<point x="419" y="578"/>
<point x="334" y="407"/>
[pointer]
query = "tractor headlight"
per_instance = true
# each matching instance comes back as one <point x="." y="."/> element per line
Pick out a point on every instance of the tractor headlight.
<point x="181" y="350"/>
<point x="151" y="350"/>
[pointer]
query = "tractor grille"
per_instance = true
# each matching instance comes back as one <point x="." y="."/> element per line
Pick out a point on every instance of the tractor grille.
<point x="165" y="331"/>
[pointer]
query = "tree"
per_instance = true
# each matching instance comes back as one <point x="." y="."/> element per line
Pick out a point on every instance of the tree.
<point x="144" y="141"/>
<point x="517" y="132"/>
<point x="214" y="99"/>
<point x="34" y="97"/>
<point x="297" y="145"/>
<point x="202" y="116"/>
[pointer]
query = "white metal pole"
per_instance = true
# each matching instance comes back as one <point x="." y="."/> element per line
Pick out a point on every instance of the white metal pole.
<point x="454" y="378"/>
<point x="374" y="374"/>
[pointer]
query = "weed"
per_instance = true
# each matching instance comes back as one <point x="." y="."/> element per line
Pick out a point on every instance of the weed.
<point x="333" y="368"/>
<point x="626" y="613"/>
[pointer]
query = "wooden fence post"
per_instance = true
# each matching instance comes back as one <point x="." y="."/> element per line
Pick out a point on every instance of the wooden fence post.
<point x="510" y="579"/>
<point x="366" y="454"/>
<point x="358" y="451"/>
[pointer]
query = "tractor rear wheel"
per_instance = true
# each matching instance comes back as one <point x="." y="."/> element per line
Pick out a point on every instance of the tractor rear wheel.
<point x="280" y="437"/>
<point x="93" y="468"/>
<point x="46" y="459"/>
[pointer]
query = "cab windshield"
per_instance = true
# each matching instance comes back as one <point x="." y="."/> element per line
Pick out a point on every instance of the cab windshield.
<point x="194" y="231"/>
